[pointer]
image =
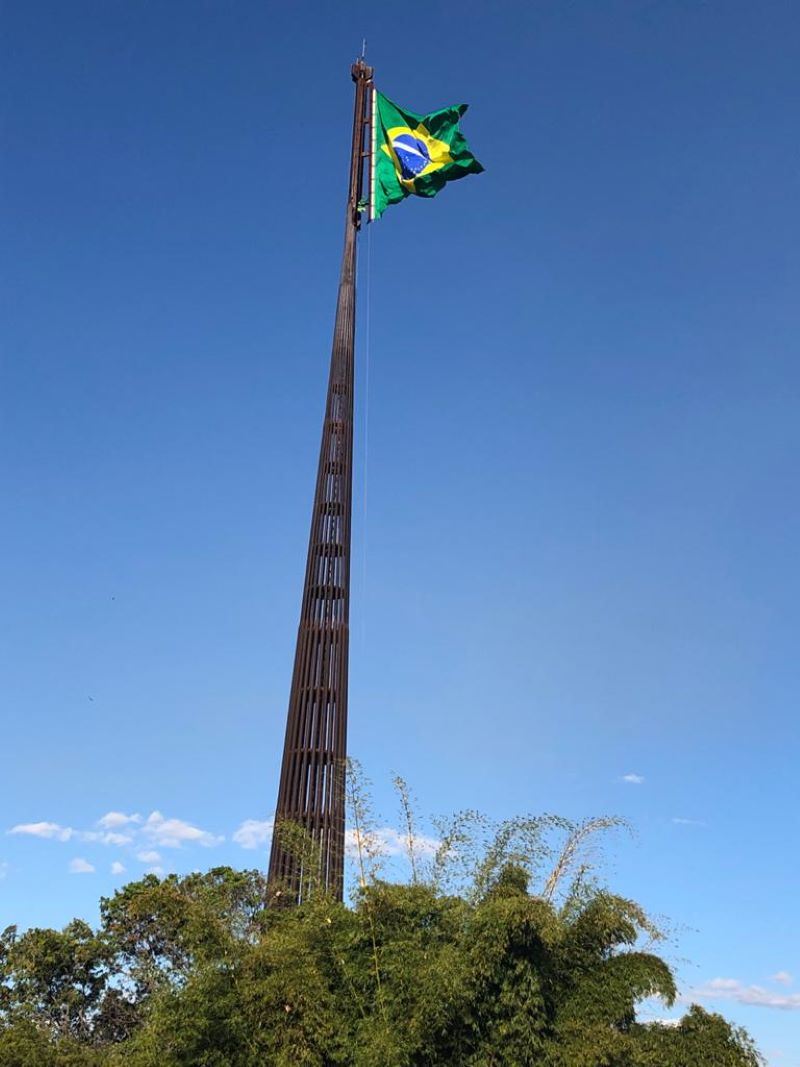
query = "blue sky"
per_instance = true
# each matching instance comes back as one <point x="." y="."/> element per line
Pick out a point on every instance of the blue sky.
<point x="577" y="557"/>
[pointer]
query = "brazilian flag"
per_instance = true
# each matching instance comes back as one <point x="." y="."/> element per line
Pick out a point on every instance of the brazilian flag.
<point x="415" y="154"/>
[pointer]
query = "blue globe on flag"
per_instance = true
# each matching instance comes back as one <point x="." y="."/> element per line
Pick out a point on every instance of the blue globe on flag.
<point x="412" y="154"/>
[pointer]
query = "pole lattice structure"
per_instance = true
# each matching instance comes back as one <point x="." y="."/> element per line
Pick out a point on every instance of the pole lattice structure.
<point x="311" y="793"/>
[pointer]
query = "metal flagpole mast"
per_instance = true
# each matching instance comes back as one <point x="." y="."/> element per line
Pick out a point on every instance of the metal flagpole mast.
<point x="311" y="793"/>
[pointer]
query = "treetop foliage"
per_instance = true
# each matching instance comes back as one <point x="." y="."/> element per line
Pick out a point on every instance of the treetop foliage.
<point x="501" y="951"/>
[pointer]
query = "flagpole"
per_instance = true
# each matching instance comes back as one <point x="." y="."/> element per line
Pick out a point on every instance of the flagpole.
<point x="311" y="792"/>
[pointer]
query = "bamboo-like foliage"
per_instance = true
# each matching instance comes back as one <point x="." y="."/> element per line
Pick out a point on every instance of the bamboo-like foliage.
<point x="503" y="949"/>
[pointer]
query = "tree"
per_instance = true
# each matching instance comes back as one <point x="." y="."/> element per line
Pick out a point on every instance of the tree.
<point x="56" y="977"/>
<point x="503" y="951"/>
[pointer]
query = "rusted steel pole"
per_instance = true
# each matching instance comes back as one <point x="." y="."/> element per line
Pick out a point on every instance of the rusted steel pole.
<point x="311" y="793"/>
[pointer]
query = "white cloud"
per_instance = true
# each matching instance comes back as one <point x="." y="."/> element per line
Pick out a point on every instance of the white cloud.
<point x="112" y="838"/>
<point x="149" y="856"/>
<point x="351" y="838"/>
<point x="53" y="831"/>
<point x="80" y="866"/>
<point x="3" y="871"/>
<point x="390" y="842"/>
<point x="104" y="837"/>
<point x="117" y="867"/>
<point x="172" y="833"/>
<point x="254" y="832"/>
<point x="632" y="779"/>
<point x="782" y="978"/>
<point x="733" y="989"/>
<point x="689" y="822"/>
<point x="44" y="829"/>
<point x="113" y="820"/>
<point x="118" y="830"/>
